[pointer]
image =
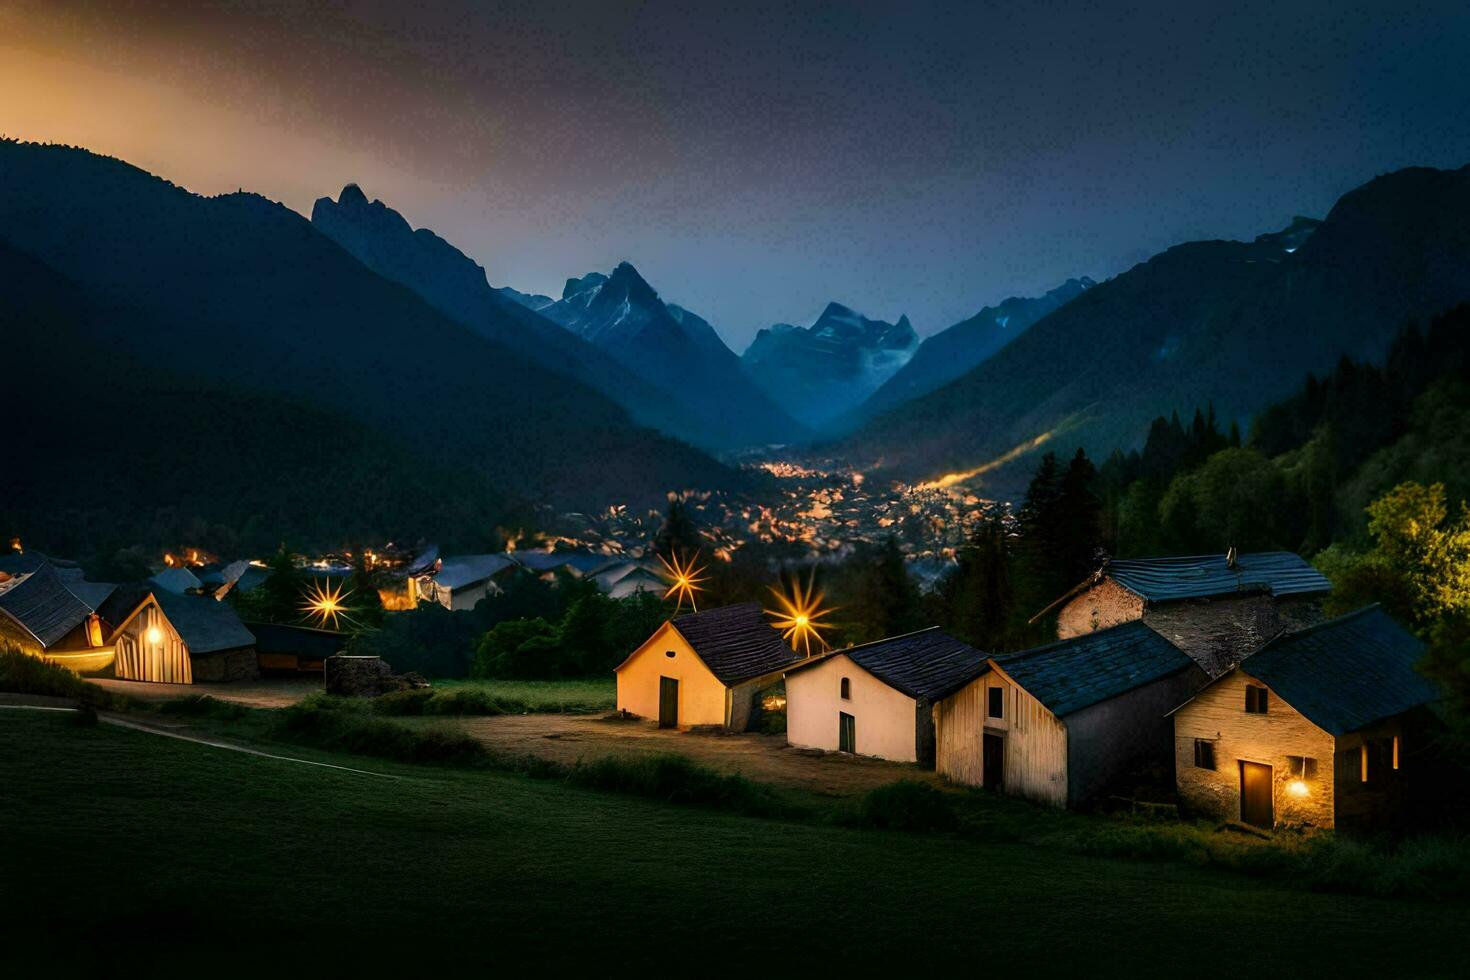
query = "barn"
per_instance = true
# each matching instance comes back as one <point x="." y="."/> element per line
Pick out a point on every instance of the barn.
<point x="876" y="699"/>
<point x="1324" y="727"/>
<point x="1216" y="608"/>
<point x="704" y="668"/>
<point x="178" y="639"/>
<point x="1057" y="724"/>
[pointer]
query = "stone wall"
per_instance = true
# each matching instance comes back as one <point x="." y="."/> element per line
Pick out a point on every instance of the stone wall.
<point x="227" y="665"/>
<point x="1105" y="604"/>
<point x="366" y="677"/>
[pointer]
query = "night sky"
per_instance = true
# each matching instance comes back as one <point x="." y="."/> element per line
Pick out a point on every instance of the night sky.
<point x="755" y="161"/>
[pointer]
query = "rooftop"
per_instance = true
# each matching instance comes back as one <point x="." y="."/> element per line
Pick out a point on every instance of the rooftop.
<point x="736" y="642"/>
<point x="1347" y="672"/>
<point x="1085" y="670"/>
<point x="929" y="664"/>
<point x="463" y="571"/>
<point x="42" y="604"/>
<point x="1201" y="576"/>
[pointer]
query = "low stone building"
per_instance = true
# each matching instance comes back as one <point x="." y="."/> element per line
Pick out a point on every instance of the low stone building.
<point x="877" y="699"/>
<point x="1320" y="728"/>
<point x="1216" y="608"/>
<point x="1059" y="723"/>
<point x="704" y="669"/>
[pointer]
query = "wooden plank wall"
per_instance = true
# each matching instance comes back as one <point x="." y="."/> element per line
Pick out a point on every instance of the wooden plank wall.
<point x="137" y="660"/>
<point x="1036" y="742"/>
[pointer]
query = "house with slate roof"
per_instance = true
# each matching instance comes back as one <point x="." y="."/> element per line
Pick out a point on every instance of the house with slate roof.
<point x="1059" y="723"/>
<point x="460" y="582"/>
<point x="1322" y="727"/>
<point x="876" y="699"/>
<point x="704" y="668"/>
<point x="163" y="636"/>
<point x="42" y="614"/>
<point x="1216" y="608"/>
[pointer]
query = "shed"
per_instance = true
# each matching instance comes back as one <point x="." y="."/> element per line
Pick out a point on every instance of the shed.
<point x="1216" y="608"/>
<point x="1318" y="728"/>
<point x="876" y="699"/>
<point x="461" y="582"/>
<point x="704" y="668"/>
<point x="178" y="639"/>
<point x="1058" y="723"/>
<point x="281" y="648"/>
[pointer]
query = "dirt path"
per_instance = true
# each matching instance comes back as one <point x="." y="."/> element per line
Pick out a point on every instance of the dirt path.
<point x="280" y="693"/>
<point x="765" y="758"/>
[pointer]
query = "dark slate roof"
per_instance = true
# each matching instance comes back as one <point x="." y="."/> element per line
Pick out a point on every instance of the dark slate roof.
<point x="928" y="664"/>
<point x="205" y="624"/>
<point x="1166" y="579"/>
<point x="177" y="580"/>
<point x="464" y="571"/>
<point x="43" y="605"/>
<point x="1074" y="674"/>
<point x="1347" y="672"/>
<point x="24" y="562"/>
<point x="92" y="594"/>
<point x="736" y="642"/>
<point x="301" y="641"/>
<point x="116" y="608"/>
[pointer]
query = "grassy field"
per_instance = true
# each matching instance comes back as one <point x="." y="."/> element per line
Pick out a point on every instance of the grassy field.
<point x="573" y="696"/>
<point x="123" y="852"/>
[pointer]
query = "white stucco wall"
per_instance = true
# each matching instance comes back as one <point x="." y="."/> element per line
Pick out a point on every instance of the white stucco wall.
<point x="884" y="719"/>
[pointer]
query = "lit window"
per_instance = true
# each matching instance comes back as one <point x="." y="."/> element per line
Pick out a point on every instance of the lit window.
<point x="1204" y="754"/>
<point x="1363" y="763"/>
<point x="1395" y="751"/>
<point x="1255" y="700"/>
<point x="1302" y="766"/>
<point x="846" y="689"/>
<point x="996" y="701"/>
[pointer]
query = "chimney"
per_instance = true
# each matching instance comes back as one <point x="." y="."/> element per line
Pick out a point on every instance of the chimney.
<point x="1230" y="558"/>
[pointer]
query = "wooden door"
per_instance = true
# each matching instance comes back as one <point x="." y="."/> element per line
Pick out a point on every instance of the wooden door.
<point x="993" y="761"/>
<point x="668" y="702"/>
<point x="1255" y="795"/>
<point x="846" y="732"/>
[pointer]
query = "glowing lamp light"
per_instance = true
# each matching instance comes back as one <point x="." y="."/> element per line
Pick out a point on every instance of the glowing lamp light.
<point x="800" y="615"/>
<point x="684" y="580"/>
<point x="153" y="635"/>
<point x="1298" y="788"/>
<point x="327" y="602"/>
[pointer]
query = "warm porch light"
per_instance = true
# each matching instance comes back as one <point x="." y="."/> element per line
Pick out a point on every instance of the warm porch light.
<point x="1298" y="788"/>
<point x="153" y="635"/>
<point x="327" y="602"/>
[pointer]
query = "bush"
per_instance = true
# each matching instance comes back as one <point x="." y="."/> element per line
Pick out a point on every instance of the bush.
<point x="457" y="701"/>
<point x="23" y="673"/>
<point x="676" y="779"/>
<point x="908" y="805"/>
<point x="429" y="639"/>
<point x="338" y="730"/>
<point x="518" y="648"/>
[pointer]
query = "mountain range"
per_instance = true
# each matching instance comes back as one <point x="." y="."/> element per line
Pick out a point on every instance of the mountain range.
<point x="821" y="371"/>
<point x="237" y="294"/>
<point x="1233" y="324"/>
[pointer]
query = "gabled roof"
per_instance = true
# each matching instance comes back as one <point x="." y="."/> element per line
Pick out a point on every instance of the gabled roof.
<point x="735" y="642"/>
<point x="580" y="562"/>
<point x="205" y="624"/>
<point x="1201" y="576"/>
<point x="928" y="664"/>
<point x="42" y="604"/>
<point x="1347" y="672"/>
<point x="1073" y="674"/>
<point x="176" y="580"/>
<point x="463" y="571"/>
<point x="92" y="594"/>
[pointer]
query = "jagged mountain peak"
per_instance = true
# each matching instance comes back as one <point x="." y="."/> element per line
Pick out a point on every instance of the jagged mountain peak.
<point x="352" y="196"/>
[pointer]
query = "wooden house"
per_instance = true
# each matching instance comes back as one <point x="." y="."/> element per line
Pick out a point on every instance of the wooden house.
<point x="1057" y="724"/>
<point x="1216" y="608"/>
<point x="178" y="639"/>
<point x="460" y="583"/>
<point x="44" y="615"/>
<point x="705" y="668"/>
<point x="877" y="699"/>
<point x="1321" y="728"/>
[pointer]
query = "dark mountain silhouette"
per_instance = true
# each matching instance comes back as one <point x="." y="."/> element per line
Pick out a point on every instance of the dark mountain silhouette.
<point x="1233" y="323"/>
<point x="456" y="285"/>
<point x="824" y="370"/>
<point x="960" y="348"/>
<point x="675" y="349"/>
<point x="237" y="292"/>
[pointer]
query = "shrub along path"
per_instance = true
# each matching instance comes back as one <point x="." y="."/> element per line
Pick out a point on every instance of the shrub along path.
<point x="173" y="859"/>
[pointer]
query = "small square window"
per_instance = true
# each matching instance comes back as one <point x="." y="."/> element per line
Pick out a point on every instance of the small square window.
<point x="846" y="689"/>
<point x="1255" y="700"/>
<point x="995" y="702"/>
<point x="1302" y="767"/>
<point x="1204" y="754"/>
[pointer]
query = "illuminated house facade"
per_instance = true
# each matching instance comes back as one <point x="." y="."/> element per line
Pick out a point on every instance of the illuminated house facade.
<point x="1324" y="727"/>
<point x="178" y="639"/>
<point x="704" y="669"/>
<point x="876" y="699"/>
<point x="45" y="615"/>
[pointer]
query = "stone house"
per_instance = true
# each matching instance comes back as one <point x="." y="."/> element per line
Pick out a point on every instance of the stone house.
<point x="704" y="669"/>
<point x="1059" y="723"/>
<point x="1216" y="608"/>
<point x="1322" y="727"/>
<point x="876" y="699"/>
